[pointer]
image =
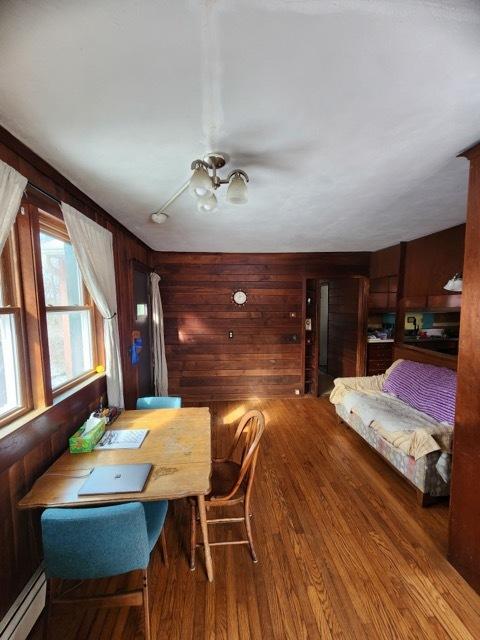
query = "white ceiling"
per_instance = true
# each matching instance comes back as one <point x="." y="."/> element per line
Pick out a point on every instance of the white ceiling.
<point x="346" y="114"/>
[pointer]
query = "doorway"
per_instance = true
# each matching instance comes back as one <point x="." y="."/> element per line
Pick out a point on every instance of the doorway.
<point x="325" y="381"/>
<point x="323" y="327"/>
<point x="335" y="331"/>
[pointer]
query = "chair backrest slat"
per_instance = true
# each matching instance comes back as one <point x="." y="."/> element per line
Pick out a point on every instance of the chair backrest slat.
<point x="252" y="425"/>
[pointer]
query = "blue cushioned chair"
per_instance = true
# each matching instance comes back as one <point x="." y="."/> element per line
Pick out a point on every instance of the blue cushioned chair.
<point x="159" y="402"/>
<point x="99" y="542"/>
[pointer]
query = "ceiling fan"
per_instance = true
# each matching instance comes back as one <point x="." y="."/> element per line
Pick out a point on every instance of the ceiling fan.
<point x="203" y="183"/>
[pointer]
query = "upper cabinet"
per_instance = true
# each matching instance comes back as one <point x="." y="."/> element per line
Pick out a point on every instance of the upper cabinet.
<point x="429" y="263"/>
<point x="385" y="262"/>
<point x="416" y="273"/>
<point x="384" y="269"/>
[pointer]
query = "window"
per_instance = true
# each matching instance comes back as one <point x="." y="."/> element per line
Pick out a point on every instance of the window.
<point x="69" y="309"/>
<point x="14" y="388"/>
<point x="51" y="336"/>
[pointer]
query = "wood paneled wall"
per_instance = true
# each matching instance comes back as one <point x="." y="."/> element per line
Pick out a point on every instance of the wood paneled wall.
<point x="464" y="545"/>
<point x="25" y="453"/>
<point x="24" y="456"/>
<point x="347" y="327"/>
<point x="264" y="357"/>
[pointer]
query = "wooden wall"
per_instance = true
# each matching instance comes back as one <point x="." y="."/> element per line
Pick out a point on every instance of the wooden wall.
<point x="24" y="457"/>
<point x="346" y="327"/>
<point x="25" y="453"/>
<point x="264" y="357"/>
<point x="464" y="544"/>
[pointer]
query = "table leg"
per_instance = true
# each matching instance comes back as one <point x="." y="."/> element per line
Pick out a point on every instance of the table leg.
<point x="203" y="523"/>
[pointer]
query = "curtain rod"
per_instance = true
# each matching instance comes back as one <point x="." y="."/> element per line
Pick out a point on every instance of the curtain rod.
<point x="45" y="193"/>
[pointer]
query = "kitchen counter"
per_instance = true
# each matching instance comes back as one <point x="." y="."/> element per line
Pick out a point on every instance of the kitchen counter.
<point x="441" y="345"/>
<point x="415" y="339"/>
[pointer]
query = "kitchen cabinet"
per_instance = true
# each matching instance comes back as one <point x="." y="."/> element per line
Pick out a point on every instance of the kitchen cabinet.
<point x="383" y="293"/>
<point x="379" y="357"/>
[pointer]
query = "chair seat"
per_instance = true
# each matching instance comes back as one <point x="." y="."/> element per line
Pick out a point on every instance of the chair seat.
<point x="224" y="476"/>
<point x="155" y="513"/>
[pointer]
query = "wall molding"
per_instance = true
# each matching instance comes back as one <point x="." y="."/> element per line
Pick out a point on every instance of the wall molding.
<point x="27" y="608"/>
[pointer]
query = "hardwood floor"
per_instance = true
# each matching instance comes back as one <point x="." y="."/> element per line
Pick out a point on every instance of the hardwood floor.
<point x="344" y="551"/>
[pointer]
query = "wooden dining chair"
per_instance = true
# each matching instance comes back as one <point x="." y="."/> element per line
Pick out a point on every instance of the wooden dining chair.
<point x="232" y="482"/>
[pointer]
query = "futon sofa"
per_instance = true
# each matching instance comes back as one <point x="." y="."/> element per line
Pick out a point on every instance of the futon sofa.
<point x="407" y="416"/>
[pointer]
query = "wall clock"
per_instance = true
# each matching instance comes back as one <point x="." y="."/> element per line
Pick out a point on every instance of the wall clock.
<point x="239" y="297"/>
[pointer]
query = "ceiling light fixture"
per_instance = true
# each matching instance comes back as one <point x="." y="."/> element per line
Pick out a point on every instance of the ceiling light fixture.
<point x="455" y="284"/>
<point x="207" y="203"/>
<point x="237" y="192"/>
<point x="205" y="180"/>
<point x="200" y="183"/>
<point x="203" y="184"/>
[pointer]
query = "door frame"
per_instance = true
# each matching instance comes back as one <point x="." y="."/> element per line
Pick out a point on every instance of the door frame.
<point x="362" y="322"/>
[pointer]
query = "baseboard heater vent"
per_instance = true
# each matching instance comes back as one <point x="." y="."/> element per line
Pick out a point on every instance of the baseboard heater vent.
<point x="25" y="611"/>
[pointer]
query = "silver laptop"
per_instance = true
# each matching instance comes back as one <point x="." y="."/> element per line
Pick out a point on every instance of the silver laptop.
<point x="116" y="478"/>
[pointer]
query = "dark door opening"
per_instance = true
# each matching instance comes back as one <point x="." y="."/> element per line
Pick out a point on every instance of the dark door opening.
<point x="323" y="327"/>
<point x="335" y="331"/>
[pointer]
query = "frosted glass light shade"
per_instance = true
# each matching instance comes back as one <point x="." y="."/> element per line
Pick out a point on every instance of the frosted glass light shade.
<point x="237" y="192"/>
<point x="207" y="203"/>
<point x="455" y="284"/>
<point x="200" y="183"/>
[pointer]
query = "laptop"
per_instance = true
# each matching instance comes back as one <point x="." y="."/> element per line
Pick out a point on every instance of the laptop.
<point x="116" y="478"/>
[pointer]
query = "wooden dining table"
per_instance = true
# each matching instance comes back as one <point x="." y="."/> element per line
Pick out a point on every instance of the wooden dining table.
<point x="178" y="445"/>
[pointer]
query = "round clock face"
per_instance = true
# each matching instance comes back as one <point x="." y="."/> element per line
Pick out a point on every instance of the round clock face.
<point x="240" y="297"/>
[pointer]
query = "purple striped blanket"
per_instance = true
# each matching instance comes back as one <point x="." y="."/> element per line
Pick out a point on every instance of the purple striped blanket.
<point x="425" y="387"/>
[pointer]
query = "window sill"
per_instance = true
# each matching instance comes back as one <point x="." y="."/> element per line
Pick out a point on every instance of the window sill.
<point x="67" y="390"/>
<point x="31" y="415"/>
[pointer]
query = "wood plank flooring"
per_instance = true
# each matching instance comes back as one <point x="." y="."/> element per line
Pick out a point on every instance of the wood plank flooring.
<point x="344" y="550"/>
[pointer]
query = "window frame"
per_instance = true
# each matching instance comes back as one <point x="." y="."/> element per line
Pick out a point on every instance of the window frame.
<point x="11" y="267"/>
<point x="54" y="226"/>
<point x="24" y="286"/>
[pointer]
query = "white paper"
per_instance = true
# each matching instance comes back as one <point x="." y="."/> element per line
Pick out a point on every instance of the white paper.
<point x="122" y="439"/>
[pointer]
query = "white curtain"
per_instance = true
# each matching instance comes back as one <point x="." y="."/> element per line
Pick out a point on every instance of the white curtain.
<point x="12" y="186"/>
<point x="160" y="372"/>
<point x="93" y="247"/>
